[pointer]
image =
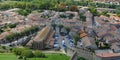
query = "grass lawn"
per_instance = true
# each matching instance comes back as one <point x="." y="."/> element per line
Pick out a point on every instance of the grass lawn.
<point x="53" y="57"/>
<point x="7" y="56"/>
<point x="10" y="56"/>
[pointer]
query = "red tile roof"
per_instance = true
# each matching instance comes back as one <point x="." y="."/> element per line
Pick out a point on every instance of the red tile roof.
<point x="108" y="54"/>
<point x="83" y="35"/>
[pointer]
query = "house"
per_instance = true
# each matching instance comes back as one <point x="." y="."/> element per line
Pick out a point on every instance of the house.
<point x="83" y="34"/>
<point x="108" y="1"/>
<point x="107" y="56"/>
<point x="89" y="42"/>
<point x="116" y="47"/>
<point x="83" y="9"/>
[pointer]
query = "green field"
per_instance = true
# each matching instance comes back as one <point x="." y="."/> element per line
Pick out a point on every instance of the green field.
<point x="6" y="56"/>
<point x="49" y="57"/>
<point x="52" y="57"/>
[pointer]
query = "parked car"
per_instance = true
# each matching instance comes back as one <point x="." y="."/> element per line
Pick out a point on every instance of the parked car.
<point x="68" y="36"/>
<point x="63" y="34"/>
<point x="56" y="45"/>
<point x="56" y="36"/>
<point x="71" y="43"/>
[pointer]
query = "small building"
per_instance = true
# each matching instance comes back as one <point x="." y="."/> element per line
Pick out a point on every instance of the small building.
<point x="89" y="42"/>
<point x="116" y="48"/>
<point x="108" y="56"/>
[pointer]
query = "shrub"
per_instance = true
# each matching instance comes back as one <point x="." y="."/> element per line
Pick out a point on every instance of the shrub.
<point x="27" y="53"/>
<point x="39" y="54"/>
<point x="3" y="47"/>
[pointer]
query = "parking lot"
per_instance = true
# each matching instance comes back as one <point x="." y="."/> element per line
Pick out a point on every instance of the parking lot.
<point x="63" y="40"/>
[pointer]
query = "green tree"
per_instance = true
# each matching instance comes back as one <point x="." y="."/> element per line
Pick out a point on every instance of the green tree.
<point x="93" y="11"/>
<point x="105" y="13"/>
<point x="118" y="11"/>
<point x="39" y="54"/>
<point x="67" y="29"/>
<point x="27" y="53"/>
<point x="12" y="25"/>
<point x="54" y="25"/>
<point x="62" y="7"/>
<point x="81" y="58"/>
<point x="3" y="47"/>
<point x="17" y="51"/>
<point x="60" y="27"/>
<point x="82" y="17"/>
<point x="76" y="38"/>
<point x="73" y="8"/>
<point x="24" y="12"/>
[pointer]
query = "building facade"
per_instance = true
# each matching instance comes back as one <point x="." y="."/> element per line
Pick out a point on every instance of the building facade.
<point x="39" y="40"/>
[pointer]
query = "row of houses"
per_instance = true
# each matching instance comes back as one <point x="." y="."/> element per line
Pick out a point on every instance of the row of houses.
<point x="108" y="1"/>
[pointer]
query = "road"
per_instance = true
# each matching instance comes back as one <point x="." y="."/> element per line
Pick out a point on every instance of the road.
<point x="20" y="41"/>
<point x="63" y="41"/>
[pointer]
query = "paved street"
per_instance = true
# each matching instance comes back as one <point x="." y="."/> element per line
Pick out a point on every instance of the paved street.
<point x="63" y="41"/>
<point x="20" y="41"/>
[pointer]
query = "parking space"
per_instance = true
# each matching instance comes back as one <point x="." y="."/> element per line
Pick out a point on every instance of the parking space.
<point x="63" y="40"/>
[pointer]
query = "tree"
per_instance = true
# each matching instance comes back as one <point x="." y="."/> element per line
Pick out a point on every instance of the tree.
<point x="76" y="38"/>
<point x="26" y="32"/>
<point x="1" y="31"/>
<point x="60" y="27"/>
<point x="73" y="8"/>
<point x="69" y="2"/>
<point x="82" y="17"/>
<point x="105" y="13"/>
<point x="62" y="6"/>
<point x="53" y="25"/>
<point x="67" y="29"/>
<point x="81" y="58"/>
<point x="27" y="54"/>
<point x="24" y="12"/>
<point x="17" y="51"/>
<point x="118" y="11"/>
<point x="94" y="13"/>
<point x="39" y="54"/>
<point x="3" y="47"/>
<point x="12" y="25"/>
<point x="71" y="16"/>
<point x="63" y="16"/>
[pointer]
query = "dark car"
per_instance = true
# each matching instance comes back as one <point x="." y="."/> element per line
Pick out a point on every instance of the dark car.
<point x="63" y="33"/>
<point x="69" y="37"/>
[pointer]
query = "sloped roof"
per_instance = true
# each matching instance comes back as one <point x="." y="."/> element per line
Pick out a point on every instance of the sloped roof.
<point x="42" y="34"/>
<point x="108" y="54"/>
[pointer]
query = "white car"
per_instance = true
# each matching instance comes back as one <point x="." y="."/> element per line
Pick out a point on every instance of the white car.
<point x="63" y="42"/>
<point x="56" y="45"/>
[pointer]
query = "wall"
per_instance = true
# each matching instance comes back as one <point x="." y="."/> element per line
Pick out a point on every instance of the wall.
<point x="74" y="57"/>
<point x="80" y="52"/>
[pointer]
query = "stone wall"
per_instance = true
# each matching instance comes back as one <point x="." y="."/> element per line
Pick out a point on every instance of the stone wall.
<point x="80" y="53"/>
<point x="74" y="57"/>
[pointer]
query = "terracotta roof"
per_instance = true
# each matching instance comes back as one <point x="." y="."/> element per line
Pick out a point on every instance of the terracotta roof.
<point x="108" y="54"/>
<point x="116" y="17"/>
<point x="86" y="41"/>
<point x="101" y="33"/>
<point x="83" y="35"/>
<point x="112" y="32"/>
<point x="113" y="27"/>
<point x="4" y="34"/>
